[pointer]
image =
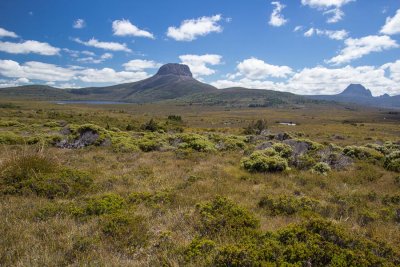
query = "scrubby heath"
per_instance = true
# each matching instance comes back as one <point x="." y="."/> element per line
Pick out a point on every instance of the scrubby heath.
<point x="189" y="185"/>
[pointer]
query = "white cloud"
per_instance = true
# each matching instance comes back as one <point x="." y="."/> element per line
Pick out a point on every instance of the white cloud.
<point x="5" y="33"/>
<point x="392" y="25"/>
<point x="126" y="28"/>
<point x="335" y="35"/>
<point x="394" y="69"/>
<point x="79" y="24"/>
<point x="277" y="19"/>
<point x="322" y="80"/>
<point x="198" y="63"/>
<point x="357" y="48"/>
<point x="309" y="33"/>
<point x="13" y="82"/>
<point x="298" y="28"/>
<point x="253" y="68"/>
<point x="140" y="64"/>
<point x="93" y="59"/>
<point x="325" y="3"/>
<point x="113" y="46"/>
<point x="34" y="70"/>
<point x="29" y="46"/>
<point x="335" y="13"/>
<point x="190" y="29"/>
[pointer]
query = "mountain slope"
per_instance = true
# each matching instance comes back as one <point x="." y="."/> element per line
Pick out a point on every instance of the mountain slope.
<point x="171" y="81"/>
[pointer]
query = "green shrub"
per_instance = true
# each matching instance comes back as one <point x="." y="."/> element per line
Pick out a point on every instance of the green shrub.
<point x="199" y="247"/>
<point x="392" y="161"/>
<point x="222" y="216"/>
<point x="284" y="150"/>
<point x="366" y="217"/>
<point x="259" y="162"/>
<point x="10" y="123"/>
<point x="321" y="168"/>
<point x="126" y="231"/>
<point x="105" y="204"/>
<point x="175" y="118"/>
<point x="122" y="142"/>
<point x="10" y="138"/>
<point x="236" y="256"/>
<point x="63" y="183"/>
<point x="288" y="205"/>
<point x="152" y="199"/>
<point x="147" y="145"/>
<point x="362" y="153"/>
<point x="196" y="142"/>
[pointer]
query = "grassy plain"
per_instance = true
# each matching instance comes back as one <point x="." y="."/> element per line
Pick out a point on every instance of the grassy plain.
<point x="153" y="198"/>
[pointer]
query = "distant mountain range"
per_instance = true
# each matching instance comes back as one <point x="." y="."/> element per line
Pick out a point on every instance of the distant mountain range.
<point x="175" y="82"/>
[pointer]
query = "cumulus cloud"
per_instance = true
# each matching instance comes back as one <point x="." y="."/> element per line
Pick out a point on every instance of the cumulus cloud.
<point x="335" y="35"/>
<point x="140" y="64"/>
<point x="357" y="48"/>
<point x="113" y="46"/>
<point x="330" y="8"/>
<point x="298" y="28"/>
<point x="190" y="29"/>
<point x="322" y="80"/>
<point x="198" y="63"/>
<point x="277" y="19"/>
<point x="79" y="24"/>
<point x="126" y="28"/>
<point x="28" y="47"/>
<point x="392" y="25"/>
<point x="93" y="59"/>
<point x="5" y="33"/>
<point x="253" y="68"/>
<point x="51" y="73"/>
<point x="13" y="82"/>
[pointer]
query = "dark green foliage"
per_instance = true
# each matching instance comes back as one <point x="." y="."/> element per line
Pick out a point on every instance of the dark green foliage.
<point x="175" y="118"/>
<point x="105" y="204"/>
<point x="126" y="231"/>
<point x="153" y="199"/>
<point x="196" y="142"/>
<point x="256" y="127"/>
<point x="260" y="162"/>
<point x="151" y="126"/>
<point x="362" y="153"/>
<point x="288" y="205"/>
<point x="222" y="216"/>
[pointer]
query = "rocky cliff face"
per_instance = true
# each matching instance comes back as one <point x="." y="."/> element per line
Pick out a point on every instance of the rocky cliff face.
<point x="175" y="69"/>
<point x="356" y="90"/>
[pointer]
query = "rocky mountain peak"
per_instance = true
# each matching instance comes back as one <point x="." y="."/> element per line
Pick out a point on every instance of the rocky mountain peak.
<point x="175" y="69"/>
<point x="356" y="90"/>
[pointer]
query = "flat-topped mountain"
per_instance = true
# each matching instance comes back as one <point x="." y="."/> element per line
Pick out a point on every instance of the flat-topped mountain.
<point x="175" y="69"/>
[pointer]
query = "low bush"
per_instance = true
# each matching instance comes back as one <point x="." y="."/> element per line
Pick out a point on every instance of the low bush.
<point x="152" y="199"/>
<point x="288" y="205"/>
<point x="196" y="142"/>
<point x="392" y="161"/>
<point x="259" y="162"/>
<point x="221" y="216"/>
<point x="10" y="138"/>
<point x="105" y="204"/>
<point x="321" y="168"/>
<point x="127" y="232"/>
<point x="284" y="150"/>
<point x="360" y="152"/>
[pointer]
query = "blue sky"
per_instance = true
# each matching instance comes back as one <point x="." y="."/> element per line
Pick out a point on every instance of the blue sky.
<point x="301" y="46"/>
